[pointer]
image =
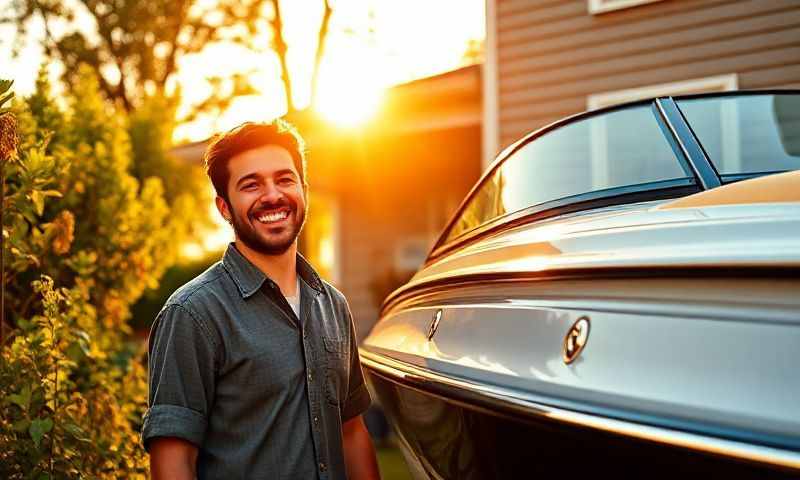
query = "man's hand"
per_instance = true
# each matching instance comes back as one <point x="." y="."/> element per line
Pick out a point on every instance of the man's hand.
<point x="359" y="454"/>
<point x="172" y="459"/>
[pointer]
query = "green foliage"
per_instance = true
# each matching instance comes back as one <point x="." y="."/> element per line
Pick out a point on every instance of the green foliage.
<point x="87" y="230"/>
<point x="186" y="187"/>
<point x="67" y="410"/>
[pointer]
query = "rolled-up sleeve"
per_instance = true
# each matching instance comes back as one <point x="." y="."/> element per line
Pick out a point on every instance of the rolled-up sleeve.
<point x="182" y="360"/>
<point x="358" y="399"/>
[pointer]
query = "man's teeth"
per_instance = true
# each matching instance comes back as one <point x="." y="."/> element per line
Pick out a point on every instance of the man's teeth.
<point x="273" y="217"/>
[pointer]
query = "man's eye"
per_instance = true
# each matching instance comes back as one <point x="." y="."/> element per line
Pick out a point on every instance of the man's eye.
<point x="286" y="181"/>
<point x="249" y="186"/>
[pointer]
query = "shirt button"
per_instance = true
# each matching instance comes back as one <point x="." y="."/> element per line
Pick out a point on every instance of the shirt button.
<point x="310" y="377"/>
<point x="322" y="467"/>
<point x="316" y="420"/>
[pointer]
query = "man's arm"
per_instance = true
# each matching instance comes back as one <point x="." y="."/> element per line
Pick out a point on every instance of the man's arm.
<point x="182" y="365"/>
<point x="359" y="454"/>
<point x="172" y="459"/>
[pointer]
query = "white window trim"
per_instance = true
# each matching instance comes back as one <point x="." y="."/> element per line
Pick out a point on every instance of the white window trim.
<point x="720" y="83"/>
<point x="603" y="6"/>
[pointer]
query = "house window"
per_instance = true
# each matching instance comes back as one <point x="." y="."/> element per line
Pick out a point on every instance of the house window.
<point x="319" y="242"/>
<point x="602" y="6"/>
<point x="721" y="83"/>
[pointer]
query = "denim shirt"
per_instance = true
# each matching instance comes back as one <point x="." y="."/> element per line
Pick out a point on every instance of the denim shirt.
<point x="260" y="392"/>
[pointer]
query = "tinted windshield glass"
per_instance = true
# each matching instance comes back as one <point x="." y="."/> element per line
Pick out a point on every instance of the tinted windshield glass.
<point x="747" y="134"/>
<point x="608" y="150"/>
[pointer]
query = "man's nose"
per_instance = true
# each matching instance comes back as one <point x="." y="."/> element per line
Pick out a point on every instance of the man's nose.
<point x="271" y="193"/>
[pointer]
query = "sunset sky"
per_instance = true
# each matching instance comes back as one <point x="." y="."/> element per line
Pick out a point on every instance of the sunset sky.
<point x="372" y="44"/>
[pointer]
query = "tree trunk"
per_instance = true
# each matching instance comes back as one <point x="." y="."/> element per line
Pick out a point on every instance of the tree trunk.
<point x="321" y="36"/>
<point x="280" y="49"/>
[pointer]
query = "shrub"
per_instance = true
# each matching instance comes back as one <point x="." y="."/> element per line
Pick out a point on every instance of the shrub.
<point x="84" y="237"/>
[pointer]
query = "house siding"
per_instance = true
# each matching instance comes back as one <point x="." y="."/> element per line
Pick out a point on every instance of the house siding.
<point x="551" y="55"/>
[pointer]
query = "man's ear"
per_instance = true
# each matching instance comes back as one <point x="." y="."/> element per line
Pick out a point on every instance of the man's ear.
<point x="222" y="207"/>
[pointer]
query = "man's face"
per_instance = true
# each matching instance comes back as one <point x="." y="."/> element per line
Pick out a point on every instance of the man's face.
<point x="266" y="205"/>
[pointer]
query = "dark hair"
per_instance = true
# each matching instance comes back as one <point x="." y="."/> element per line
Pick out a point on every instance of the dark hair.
<point x="248" y="136"/>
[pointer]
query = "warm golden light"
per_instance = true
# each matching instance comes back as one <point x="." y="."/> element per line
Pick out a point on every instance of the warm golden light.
<point x="348" y="96"/>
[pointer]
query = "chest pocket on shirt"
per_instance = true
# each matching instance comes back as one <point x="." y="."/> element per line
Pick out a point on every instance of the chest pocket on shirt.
<point x="335" y="370"/>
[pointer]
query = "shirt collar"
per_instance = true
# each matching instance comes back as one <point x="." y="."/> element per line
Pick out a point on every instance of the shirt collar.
<point x="249" y="279"/>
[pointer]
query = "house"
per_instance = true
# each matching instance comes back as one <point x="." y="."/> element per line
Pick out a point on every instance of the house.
<point x="547" y="59"/>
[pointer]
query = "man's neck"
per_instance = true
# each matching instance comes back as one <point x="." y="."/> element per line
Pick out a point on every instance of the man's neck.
<point x="281" y="268"/>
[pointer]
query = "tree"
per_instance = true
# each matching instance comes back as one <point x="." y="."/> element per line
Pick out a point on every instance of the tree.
<point x="83" y="241"/>
<point x="134" y="47"/>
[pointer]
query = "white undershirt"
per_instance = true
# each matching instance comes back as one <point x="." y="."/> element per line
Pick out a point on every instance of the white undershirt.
<point x="294" y="300"/>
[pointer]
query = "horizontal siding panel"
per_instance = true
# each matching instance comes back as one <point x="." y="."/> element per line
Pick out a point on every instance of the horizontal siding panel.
<point x="644" y="29"/>
<point x="708" y="51"/>
<point x="519" y="130"/>
<point x="562" y="107"/>
<point x="549" y="56"/>
<point x="553" y="54"/>
<point x="771" y="77"/>
<point x="541" y="16"/>
<point x="631" y="22"/>
<point x="773" y="57"/>
<point x="507" y="7"/>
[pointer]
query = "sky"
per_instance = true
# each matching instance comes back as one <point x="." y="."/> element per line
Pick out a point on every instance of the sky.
<point x="372" y="44"/>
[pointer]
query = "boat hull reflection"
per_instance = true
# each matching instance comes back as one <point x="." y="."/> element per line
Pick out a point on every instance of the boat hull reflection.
<point x="450" y="439"/>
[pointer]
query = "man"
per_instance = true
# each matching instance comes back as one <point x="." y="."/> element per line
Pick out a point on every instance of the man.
<point x="254" y="369"/>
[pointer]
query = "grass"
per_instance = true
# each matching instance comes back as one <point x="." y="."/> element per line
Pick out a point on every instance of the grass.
<point x="392" y="465"/>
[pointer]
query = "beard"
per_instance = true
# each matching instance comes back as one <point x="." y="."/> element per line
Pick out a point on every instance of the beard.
<point x="277" y="241"/>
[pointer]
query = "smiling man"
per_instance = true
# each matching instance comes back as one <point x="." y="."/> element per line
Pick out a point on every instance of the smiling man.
<point x="254" y="369"/>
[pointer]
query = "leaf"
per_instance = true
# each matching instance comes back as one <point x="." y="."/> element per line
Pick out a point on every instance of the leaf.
<point x="37" y="197"/>
<point x="77" y="432"/>
<point x="21" y="425"/>
<point x="6" y="97"/>
<point x="52" y="193"/>
<point x="23" y="398"/>
<point x="38" y="428"/>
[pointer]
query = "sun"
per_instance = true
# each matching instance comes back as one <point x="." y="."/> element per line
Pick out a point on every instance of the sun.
<point x="350" y="94"/>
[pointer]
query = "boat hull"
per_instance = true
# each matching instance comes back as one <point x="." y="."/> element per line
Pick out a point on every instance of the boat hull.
<point x="445" y="435"/>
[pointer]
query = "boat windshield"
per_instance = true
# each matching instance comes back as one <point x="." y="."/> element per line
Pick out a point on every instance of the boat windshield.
<point x="597" y="155"/>
<point x="747" y="134"/>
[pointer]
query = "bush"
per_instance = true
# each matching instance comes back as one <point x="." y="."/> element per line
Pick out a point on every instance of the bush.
<point x="84" y="237"/>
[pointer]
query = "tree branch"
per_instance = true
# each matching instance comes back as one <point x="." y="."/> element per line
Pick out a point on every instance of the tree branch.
<point x="321" y="36"/>
<point x="280" y="50"/>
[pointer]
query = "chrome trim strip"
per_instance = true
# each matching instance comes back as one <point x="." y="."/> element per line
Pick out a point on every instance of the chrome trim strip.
<point x="517" y="401"/>
<point x="690" y="147"/>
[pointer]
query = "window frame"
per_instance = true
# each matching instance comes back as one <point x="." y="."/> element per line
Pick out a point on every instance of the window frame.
<point x="602" y="6"/>
<point x="714" y="84"/>
<point x="717" y="84"/>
